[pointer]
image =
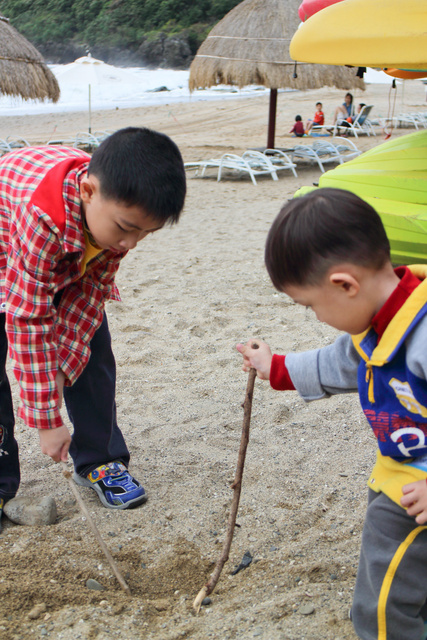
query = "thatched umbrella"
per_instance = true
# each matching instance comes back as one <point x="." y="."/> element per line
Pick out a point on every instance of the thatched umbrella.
<point x="23" y="72"/>
<point x="250" y="45"/>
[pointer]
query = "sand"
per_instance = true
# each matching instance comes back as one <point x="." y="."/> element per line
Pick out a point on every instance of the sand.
<point x="190" y="293"/>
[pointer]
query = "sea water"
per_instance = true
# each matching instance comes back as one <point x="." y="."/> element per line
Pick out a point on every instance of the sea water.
<point x="131" y="87"/>
<point x="136" y="87"/>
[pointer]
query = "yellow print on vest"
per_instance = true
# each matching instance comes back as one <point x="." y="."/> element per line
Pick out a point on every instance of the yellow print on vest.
<point x="406" y="397"/>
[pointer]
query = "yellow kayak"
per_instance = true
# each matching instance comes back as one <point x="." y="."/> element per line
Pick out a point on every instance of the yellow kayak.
<point x="365" y="33"/>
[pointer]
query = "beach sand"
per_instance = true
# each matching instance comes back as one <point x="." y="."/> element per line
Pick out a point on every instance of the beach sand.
<point x="189" y="294"/>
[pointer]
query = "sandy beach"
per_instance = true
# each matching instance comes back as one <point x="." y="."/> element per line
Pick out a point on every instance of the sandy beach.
<point x="189" y="294"/>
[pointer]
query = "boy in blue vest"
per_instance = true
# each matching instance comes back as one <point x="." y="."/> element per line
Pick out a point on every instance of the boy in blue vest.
<point x="328" y="250"/>
<point x="66" y="221"/>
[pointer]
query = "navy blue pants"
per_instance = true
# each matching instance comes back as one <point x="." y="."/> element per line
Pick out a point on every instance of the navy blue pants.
<point x="91" y="407"/>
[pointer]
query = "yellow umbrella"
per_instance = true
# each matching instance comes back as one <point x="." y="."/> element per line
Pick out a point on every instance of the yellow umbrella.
<point x="365" y="33"/>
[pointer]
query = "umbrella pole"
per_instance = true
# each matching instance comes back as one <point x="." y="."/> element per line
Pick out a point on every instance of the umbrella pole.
<point x="272" y="119"/>
<point x="90" y="111"/>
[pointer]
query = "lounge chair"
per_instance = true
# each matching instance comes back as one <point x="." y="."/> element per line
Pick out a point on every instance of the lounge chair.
<point x="339" y="149"/>
<point x="361" y="124"/>
<point x="4" y="147"/>
<point x="17" y="143"/>
<point x="346" y="148"/>
<point x="281" y="160"/>
<point x="319" y="153"/>
<point x="86" y="141"/>
<point x="254" y="163"/>
<point x="336" y="150"/>
<point x="201" y="166"/>
<point x="416" y="120"/>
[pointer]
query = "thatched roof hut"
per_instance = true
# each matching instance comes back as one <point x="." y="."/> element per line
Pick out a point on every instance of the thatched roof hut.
<point x="250" y="45"/>
<point x="23" y="72"/>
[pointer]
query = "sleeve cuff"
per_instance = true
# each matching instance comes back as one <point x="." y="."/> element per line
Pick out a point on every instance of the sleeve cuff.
<point x="37" y="419"/>
<point x="279" y="375"/>
<point x="71" y="364"/>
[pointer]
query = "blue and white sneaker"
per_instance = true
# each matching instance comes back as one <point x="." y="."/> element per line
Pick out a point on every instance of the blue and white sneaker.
<point x="116" y="488"/>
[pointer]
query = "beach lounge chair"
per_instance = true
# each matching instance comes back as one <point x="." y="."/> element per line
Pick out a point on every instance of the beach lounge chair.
<point x="17" y="143"/>
<point x="102" y="135"/>
<point x="345" y="148"/>
<point x="201" y="166"/>
<point x="336" y="150"/>
<point x="253" y="163"/>
<point x="319" y="153"/>
<point x="82" y="140"/>
<point x="361" y="124"/>
<point x="281" y="160"/>
<point x="4" y="147"/>
<point x="86" y="141"/>
<point x="414" y="119"/>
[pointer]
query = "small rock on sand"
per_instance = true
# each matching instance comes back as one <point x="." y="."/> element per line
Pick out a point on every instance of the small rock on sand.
<point x="31" y="511"/>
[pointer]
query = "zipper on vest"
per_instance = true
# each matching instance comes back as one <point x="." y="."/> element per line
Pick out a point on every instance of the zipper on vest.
<point x="369" y="378"/>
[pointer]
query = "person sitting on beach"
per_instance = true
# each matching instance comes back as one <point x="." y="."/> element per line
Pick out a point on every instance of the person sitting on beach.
<point x="298" y="128"/>
<point x="66" y="221"/>
<point x="318" y="118"/>
<point x="344" y="110"/>
<point x="328" y="251"/>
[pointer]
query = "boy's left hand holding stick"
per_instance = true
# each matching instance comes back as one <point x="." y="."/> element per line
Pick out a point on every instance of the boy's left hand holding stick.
<point x="258" y="358"/>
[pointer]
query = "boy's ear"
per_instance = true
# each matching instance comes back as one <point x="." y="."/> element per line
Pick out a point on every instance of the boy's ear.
<point x="88" y="187"/>
<point x="345" y="281"/>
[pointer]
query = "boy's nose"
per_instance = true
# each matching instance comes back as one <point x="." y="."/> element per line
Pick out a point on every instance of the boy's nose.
<point x="132" y="239"/>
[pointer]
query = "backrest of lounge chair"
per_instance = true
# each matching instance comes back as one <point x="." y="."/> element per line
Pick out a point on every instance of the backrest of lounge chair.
<point x="363" y="114"/>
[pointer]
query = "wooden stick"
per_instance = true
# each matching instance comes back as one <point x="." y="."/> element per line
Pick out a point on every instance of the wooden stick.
<point x="236" y="486"/>
<point x="94" y="528"/>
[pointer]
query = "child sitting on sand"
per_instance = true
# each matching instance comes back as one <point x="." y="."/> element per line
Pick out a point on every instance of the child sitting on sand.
<point x="66" y="222"/>
<point x="298" y="128"/>
<point x="318" y="118"/>
<point x="328" y="250"/>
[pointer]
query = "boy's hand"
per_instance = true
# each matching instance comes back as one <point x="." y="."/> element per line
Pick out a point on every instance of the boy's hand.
<point x="415" y="499"/>
<point x="55" y="443"/>
<point x="258" y="358"/>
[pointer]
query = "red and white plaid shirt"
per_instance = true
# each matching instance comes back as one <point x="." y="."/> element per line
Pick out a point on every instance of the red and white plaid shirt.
<point x="42" y="248"/>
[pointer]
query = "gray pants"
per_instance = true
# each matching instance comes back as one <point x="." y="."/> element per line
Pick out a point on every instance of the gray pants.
<point x="391" y="586"/>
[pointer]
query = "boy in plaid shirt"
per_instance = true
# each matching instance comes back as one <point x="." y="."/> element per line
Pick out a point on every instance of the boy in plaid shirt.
<point x="66" y="221"/>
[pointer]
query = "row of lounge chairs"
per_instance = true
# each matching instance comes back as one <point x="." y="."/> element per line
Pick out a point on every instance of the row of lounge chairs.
<point x="416" y="119"/>
<point x="82" y="140"/>
<point x="271" y="161"/>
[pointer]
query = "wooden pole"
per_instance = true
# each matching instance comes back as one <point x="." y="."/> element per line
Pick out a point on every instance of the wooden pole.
<point x="272" y="119"/>
<point x="236" y="486"/>
<point x="94" y="528"/>
<point x="90" y="109"/>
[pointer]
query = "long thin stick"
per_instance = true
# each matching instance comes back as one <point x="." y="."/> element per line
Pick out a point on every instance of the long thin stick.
<point x="94" y="528"/>
<point x="236" y="486"/>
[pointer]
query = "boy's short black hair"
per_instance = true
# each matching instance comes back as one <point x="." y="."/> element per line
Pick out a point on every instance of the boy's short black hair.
<point x="321" y="229"/>
<point x="317" y="104"/>
<point x="298" y="118"/>
<point x="144" y="168"/>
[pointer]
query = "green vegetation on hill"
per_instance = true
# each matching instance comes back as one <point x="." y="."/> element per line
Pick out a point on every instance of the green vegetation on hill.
<point x="120" y="25"/>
